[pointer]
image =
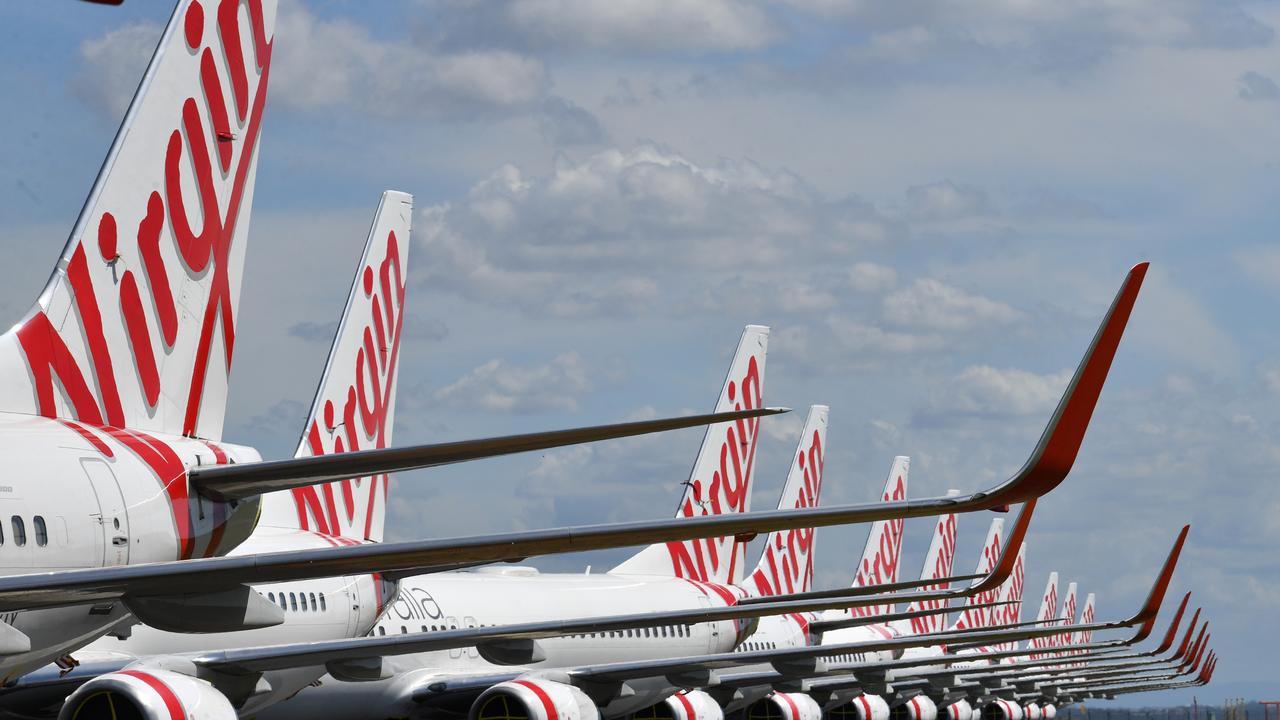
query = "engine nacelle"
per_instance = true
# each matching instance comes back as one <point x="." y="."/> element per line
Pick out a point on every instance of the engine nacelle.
<point x="1050" y="711"/>
<point x="1033" y="711"/>
<point x="919" y="707"/>
<point x="863" y="707"/>
<point x="959" y="710"/>
<point x="686" y="705"/>
<point x="147" y="695"/>
<point x="1002" y="710"/>
<point x="790" y="706"/>
<point x="533" y="699"/>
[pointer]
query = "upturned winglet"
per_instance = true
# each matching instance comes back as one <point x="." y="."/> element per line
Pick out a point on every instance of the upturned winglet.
<point x="1172" y="634"/>
<point x="1060" y="443"/>
<point x="1147" y="615"/>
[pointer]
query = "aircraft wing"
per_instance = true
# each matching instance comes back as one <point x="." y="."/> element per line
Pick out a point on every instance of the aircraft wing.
<point x="1048" y="465"/>
<point x="235" y="482"/>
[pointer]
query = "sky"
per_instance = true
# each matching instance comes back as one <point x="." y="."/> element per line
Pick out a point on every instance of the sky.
<point x="931" y="204"/>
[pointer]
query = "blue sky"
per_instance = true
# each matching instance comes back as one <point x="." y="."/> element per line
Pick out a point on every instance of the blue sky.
<point x="930" y="203"/>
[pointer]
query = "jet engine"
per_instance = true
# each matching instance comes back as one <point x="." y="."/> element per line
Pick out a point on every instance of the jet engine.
<point x="686" y="705"/>
<point x="1033" y="711"/>
<point x="1002" y="710"/>
<point x="533" y="699"/>
<point x="919" y="707"/>
<point x="959" y="710"/>
<point x="863" y="707"/>
<point x="1050" y="711"/>
<point x="788" y="706"/>
<point x="147" y="695"/>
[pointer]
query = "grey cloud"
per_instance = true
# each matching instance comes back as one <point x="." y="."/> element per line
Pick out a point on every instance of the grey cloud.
<point x="930" y="304"/>
<point x="111" y="64"/>
<point x="566" y="124"/>
<point x="1256" y="87"/>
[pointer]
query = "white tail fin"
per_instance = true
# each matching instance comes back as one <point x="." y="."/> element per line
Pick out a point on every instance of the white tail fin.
<point x="1011" y="592"/>
<point x="938" y="563"/>
<point x="1086" y="618"/>
<point x="1066" y="618"/>
<point x="786" y="564"/>
<point x="879" y="563"/>
<point x="1048" y="605"/>
<point x="355" y="404"/>
<point x="720" y="483"/>
<point x="970" y="617"/>
<point x="137" y="324"/>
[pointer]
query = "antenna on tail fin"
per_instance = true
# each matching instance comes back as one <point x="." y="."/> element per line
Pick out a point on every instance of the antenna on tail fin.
<point x="136" y="326"/>
<point x="720" y="483"/>
<point x="786" y="562"/>
<point x="355" y="403"/>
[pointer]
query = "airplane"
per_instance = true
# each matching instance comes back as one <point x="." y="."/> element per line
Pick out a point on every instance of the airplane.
<point x="325" y="608"/>
<point x="912" y="675"/>
<point x="222" y="581"/>
<point x="113" y="385"/>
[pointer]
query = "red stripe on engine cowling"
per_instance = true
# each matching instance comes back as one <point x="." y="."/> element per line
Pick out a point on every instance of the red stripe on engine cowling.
<point x="795" y="711"/>
<point x="547" y="704"/>
<point x="688" y="706"/>
<point x="171" y="702"/>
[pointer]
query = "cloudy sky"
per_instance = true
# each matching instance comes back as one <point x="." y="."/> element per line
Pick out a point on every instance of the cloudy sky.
<point x="931" y="203"/>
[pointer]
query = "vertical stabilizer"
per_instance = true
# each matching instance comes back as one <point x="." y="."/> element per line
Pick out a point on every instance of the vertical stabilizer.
<point x="720" y="482"/>
<point x="1011" y="592"/>
<point x="1048" y="606"/>
<point x="1066" y="618"/>
<point x="136" y="326"/>
<point x="355" y="403"/>
<point x="970" y="617"/>
<point x="786" y="563"/>
<point x="879" y="563"/>
<point x="939" y="562"/>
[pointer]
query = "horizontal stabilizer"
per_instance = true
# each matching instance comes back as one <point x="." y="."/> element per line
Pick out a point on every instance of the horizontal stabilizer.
<point x="233" y="482"/>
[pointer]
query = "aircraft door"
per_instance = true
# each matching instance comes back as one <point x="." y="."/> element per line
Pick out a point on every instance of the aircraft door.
<point x="353" y="605"/>
<point x="112" y="515"/>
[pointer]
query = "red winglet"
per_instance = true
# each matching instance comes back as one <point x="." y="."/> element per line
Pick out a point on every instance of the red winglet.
<point x="1147" y="615"/>
<point x="1056" y="452"/>
<point x="1008" y="553"/>
<point x="1170" y="636"/>
<point x="1186" y="639"/>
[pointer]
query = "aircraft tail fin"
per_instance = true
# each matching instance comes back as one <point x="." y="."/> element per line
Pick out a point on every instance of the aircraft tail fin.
<point x="879" y="563"/>
<point x="971" y="617"/>
<point x="1011" y="592"/>
<point x="939" y="562"/>
<point x="355" y="403"/>
<point x="720" y="482"/>
<point x="786" y="563"/>
<point x="1048" y="606"/>
<point x="1066" y="618"/>
<point x="136" y="326"/>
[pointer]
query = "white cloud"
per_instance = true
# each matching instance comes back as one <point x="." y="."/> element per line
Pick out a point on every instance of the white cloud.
<point x="688" y="235"/>
<point x="947" y="201"/>
<point x="930" y="304"/>
<point x="985" y="390"/>
<point x="501" y="386"/>
<point x="322" y="63"/>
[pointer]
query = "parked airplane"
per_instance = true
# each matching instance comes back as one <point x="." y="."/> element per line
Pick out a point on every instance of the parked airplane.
<point x="113" y="385"/>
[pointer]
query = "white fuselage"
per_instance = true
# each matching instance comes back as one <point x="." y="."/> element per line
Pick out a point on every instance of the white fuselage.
<point x="502" y="596"/>
<point x="78" y="496"/>
<point x="314" y="609"/>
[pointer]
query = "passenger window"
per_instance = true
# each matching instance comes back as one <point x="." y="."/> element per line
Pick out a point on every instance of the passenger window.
<point x="284" y="605"/>
<point x="382" y="630"/>
<point x="272" y="597"/>
<point x="424" y="628"/>
<point x="42" y="531"/>
<point x="313" y="601"/>
<point x="323" y="605"/>
<point x="19" y="531"/>
<point x="293" y="602"/>
<point x="404" y="630"/>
